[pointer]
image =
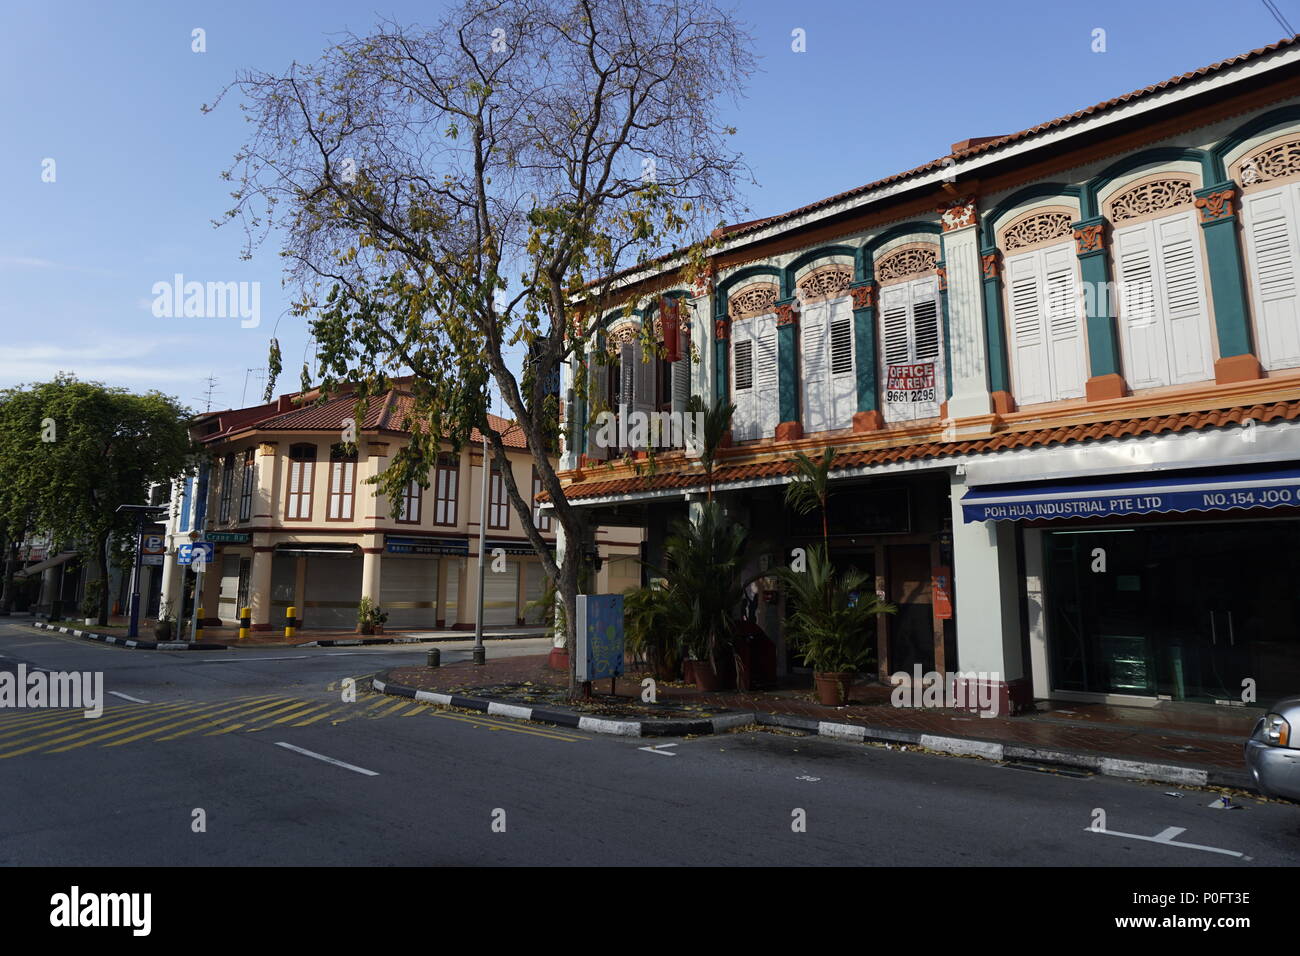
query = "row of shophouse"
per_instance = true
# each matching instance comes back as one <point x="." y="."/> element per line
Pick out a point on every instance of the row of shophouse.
<point x="1061" y="372"/>
<point x="282" y="496"/>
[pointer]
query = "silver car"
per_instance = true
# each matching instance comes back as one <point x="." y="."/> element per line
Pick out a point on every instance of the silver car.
<point x="1273" y="750"/>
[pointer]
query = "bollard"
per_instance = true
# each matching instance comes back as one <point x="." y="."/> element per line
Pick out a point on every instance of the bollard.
<point x="245" y="620"/>
<point x="198" y="624"/>
<point x="435" y="657"/>
<point x="290" y="621"/>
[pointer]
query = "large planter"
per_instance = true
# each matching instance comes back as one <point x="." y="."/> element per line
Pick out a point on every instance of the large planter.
<point x="833" y="687"/>
<point x="366" y="628"/>
<point x="707" y="679"/>
<point x="163" y="630"/>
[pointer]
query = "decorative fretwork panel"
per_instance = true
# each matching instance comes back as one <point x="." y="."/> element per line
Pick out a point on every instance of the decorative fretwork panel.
<point x="1275" y="162"/>
<point x="1152" y="196"/>
<point x="622" y="334"/>
<point x="758" y="299"/>
<point x="1041" y="227"/>
<point x="826" y="283"/>
<point x="906" y="263"/>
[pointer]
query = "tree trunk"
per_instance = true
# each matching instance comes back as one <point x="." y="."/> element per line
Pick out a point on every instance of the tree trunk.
<point x="569" y="573"/>
<point x="11" y="568"/>
<point x="101" y="565"/>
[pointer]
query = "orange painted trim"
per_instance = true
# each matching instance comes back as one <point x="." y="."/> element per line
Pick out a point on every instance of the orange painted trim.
<point x="1101" y="388"/>
<point x="1237" y="368"/>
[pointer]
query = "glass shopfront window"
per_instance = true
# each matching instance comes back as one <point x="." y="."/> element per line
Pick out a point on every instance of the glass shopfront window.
<point x="1186" y="611"/>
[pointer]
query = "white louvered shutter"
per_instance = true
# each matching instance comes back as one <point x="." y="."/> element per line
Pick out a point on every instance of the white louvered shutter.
<point x="1140" y="323"/>
<point x="767" y="398"/>
<point x="597" y="390"/>
<point x="743" y="425"/>
<point x="844" y="382"/>
<point x="1272" y="256"/>
<point x="336" y="486"/>
<point x="1184" y="298"/>
<point x="815" y="377"/>
<point x="927" y="339"/>
<point x="1064" y="325"/>
<point x="681" y="375"/>
<point x="1028" y="352"/>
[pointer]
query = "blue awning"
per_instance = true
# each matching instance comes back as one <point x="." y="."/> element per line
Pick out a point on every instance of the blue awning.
<point x="1224" y="490"/>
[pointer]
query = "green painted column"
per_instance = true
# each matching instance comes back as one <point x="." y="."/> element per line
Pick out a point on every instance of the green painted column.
<point x="1223" y="259"/>
<point x="1094" y="273"/>
<point x="994" y="326"/>
<point x="787" y="361"/>
<point x="864" y="343"/>
<point x="720" y="337"/>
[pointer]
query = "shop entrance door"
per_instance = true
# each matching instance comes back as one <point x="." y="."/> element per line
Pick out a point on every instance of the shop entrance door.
<point x="1189" y="612"/>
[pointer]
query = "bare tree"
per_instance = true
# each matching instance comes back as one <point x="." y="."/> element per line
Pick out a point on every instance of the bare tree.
<point x="445" y="196"/>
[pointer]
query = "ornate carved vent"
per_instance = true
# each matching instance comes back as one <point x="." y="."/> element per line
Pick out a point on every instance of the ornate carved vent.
<point x="625" y="333"/>
<point x="1150" y="197"/>
<point x="752" y="300"/>
<point x="1276" y="162"/>
<point x="1032" y="230"/>
<point x="905" y="263"/>
<point x="826" y="283"/>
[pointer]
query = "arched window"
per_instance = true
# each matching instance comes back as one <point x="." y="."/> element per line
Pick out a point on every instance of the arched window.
<point x="302" y="475"/>
<point x="1044" y="309"/>
<point x="753" y="365"/>
<point x="828" y="376"/>
<point x="1270" y="214"/>
<point x="1160" y="271"/>
<point x="911" y="333"/>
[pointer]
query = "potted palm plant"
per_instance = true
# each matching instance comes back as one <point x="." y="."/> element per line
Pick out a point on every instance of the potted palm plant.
<point x="90" y="602"/>
<point x="831" y="623"/>
<point x="703" y="561"/>
<point x="162" y="628"/>
<point x="370" y="616"/>
<point x="651" y="636"/>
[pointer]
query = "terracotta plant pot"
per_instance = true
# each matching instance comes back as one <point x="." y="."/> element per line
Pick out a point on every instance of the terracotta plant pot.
<point x="688" y="671"/>
<point x="705" y="677"/>
<point x="366" y="629"/>
<point x="163" y="630"/>
<point x="833" y="687"/>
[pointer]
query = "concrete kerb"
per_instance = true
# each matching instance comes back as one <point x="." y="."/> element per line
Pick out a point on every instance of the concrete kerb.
<point x="131" y="642"/>
<point x="997" y="751"/>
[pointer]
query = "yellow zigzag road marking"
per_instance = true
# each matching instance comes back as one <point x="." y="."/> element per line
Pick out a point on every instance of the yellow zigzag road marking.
<point x="93" y="727"/>
<point x="480" y="722"/>
<point x="155" y="723"/>
<point x="206" y="713"/>
<point x="267" y="702"/>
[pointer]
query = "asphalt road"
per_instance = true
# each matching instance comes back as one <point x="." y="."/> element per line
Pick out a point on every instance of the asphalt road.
<point x="285" y="771"/>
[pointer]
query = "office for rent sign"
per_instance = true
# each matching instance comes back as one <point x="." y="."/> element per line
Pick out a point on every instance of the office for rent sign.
<point x="910" y="384"/>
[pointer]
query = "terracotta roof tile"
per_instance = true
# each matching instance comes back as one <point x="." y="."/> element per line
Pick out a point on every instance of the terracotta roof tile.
<point x="387" y="412"/>
<point x="1029" y="438"/>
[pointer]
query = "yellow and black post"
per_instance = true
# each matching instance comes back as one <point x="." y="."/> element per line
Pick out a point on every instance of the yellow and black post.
<point x="290" y="621"/>
<point x="245" y="621"/>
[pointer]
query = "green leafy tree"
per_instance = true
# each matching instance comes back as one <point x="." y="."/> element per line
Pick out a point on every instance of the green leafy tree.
<point x="21" y="433"/>
<point x="450" y="197"/>
<point x="108" y="446"/>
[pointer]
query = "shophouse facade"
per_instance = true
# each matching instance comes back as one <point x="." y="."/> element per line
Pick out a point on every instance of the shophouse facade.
<point x="295" y="524"/>
<point x="1061" y="372"/>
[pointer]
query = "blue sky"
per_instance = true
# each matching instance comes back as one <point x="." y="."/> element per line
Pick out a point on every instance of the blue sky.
<point x="112" y="93"/>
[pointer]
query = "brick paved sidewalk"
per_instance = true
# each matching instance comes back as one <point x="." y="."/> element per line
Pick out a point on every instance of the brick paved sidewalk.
<point x="1191" y="735"/>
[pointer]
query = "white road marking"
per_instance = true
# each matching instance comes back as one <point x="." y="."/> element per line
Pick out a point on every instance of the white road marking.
<point x="660" y="749"/>
<point x="337" y="763"/>
<point x="808" y="778"/>
<point x="1166" y="838"/>
<point x="134" y="700"/>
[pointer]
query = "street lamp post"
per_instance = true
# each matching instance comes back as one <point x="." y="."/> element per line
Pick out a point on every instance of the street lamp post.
<point x="141" y="512"/>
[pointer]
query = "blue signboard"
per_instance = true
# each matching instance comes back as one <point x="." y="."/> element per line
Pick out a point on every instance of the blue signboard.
<point x="185" y="552"/>
<point x="1151" y="494"/>
<point x="600" y="636"/>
